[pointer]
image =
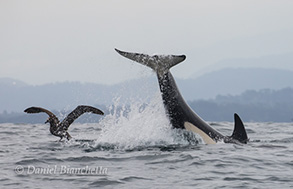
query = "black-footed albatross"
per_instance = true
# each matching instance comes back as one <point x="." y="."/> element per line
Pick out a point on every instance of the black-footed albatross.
<point x="60" y="129"/>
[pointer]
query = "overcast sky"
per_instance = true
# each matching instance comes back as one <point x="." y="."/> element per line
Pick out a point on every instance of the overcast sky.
<point x="44" y="41"/>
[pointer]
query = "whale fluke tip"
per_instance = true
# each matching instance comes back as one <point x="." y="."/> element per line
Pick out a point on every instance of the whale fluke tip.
<point x="117" y="50"/>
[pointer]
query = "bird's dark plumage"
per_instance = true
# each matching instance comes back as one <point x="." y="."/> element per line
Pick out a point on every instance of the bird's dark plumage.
<point x="78" y="111"/>
<point x="33" y="110"/>
<point x="60" y="129"/>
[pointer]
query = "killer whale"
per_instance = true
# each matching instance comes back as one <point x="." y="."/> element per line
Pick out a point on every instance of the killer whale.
<point x="180" y="114"/>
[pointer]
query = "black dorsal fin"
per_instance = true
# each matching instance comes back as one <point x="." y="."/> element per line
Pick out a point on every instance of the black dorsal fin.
<point x="239" y="132"/>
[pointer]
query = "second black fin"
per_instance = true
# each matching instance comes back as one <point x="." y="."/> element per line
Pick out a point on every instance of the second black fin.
<point x="239" y="132"/>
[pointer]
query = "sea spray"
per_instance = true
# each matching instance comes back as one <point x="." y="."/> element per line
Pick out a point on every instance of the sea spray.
<point x="139" y="124"/>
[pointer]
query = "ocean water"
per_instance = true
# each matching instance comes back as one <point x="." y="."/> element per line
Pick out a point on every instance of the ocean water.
<point x="136" y="148"/>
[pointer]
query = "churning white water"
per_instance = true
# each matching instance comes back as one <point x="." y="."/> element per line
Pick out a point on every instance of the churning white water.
<point x="140" y="124"/>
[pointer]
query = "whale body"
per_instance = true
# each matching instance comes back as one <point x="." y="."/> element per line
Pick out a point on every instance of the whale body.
<point x="180" y="114"/>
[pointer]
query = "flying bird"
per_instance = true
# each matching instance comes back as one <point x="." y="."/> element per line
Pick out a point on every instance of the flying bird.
<point x="58" y="128"/>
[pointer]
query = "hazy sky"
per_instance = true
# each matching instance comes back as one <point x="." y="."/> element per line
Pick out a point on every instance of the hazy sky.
<point x="45" y="41"/>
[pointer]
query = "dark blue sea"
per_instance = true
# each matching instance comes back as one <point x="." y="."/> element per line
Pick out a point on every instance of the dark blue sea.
<point x="136" y="148"/>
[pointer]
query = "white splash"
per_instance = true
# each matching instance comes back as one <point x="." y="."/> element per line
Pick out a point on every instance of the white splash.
<point x="139" y="124"/>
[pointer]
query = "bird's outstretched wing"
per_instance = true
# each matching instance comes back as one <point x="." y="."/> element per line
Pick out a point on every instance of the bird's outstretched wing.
<point x="78" y="111"/>
<point x="33" y="110"/>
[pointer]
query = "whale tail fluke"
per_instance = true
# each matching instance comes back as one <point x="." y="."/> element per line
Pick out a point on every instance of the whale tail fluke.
<point x="159" y="63"/>
<point x="239" y="132"/>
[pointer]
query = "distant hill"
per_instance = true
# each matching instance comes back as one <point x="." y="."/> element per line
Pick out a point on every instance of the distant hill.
<point x="233" y="81"/>
<point x="9" y="82"/>
<point x="272" y="61"/>
<point x="15" y="95"/>
<point x="258" y="106"/>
